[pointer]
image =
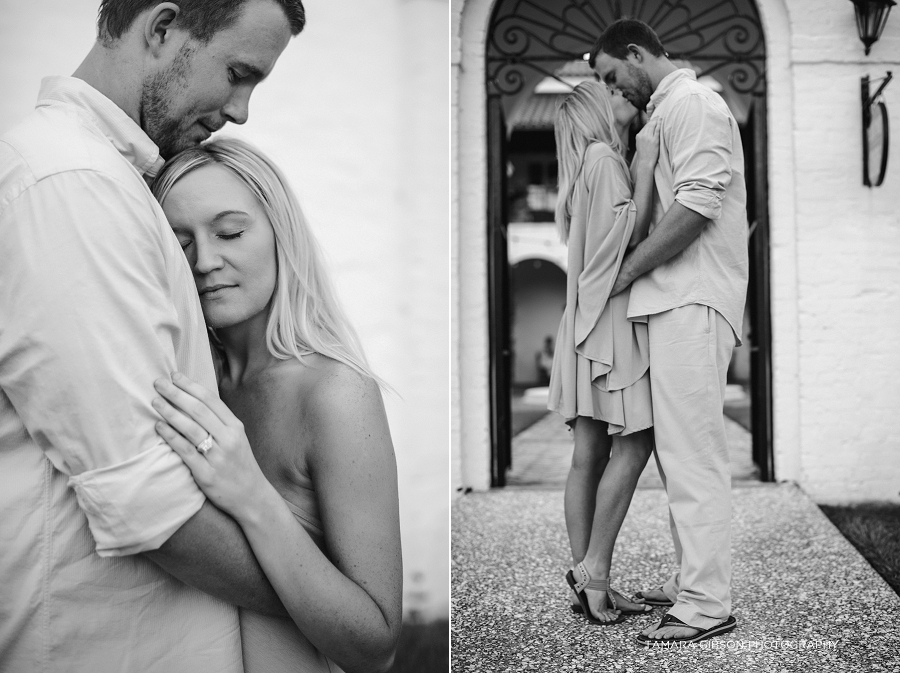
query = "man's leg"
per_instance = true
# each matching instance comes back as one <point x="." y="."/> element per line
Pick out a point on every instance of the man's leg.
<point x="690" y="348"/>
<point x="669" y="590"/>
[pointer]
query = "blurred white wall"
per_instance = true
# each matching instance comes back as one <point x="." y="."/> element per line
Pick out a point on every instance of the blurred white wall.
<point x="357" y="115"/>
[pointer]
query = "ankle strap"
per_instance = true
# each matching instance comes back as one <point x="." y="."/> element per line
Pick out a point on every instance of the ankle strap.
<point x="587" y="582"/>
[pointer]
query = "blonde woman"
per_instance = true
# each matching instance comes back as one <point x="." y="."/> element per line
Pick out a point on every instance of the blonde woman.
<point x="600" y="379"/>
<point x="316" y="495"/>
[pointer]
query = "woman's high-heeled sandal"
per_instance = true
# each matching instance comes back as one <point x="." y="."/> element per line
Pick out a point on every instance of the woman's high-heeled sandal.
<point x="587" y="582"/>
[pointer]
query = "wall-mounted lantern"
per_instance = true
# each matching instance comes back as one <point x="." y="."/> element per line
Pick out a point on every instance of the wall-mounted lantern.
<point x="871" y="15"/>
<point x="875" y="131"/>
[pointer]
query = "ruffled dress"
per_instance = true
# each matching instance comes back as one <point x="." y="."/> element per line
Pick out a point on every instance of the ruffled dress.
<point x="601" y="360"/>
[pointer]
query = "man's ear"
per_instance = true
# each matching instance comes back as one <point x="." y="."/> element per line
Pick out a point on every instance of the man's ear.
<point x="637" y="52"/>
<point x="158" y="25"/>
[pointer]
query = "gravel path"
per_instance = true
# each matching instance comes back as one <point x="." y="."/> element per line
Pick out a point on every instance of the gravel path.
<point x="795" y="579"/>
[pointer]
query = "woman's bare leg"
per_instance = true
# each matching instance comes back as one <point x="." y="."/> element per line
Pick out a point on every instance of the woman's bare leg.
<point x="628" y="457"/>
<point x="589" y="460"/>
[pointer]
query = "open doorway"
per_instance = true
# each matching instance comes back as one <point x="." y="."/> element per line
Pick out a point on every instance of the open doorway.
<point x="534" y="56"/>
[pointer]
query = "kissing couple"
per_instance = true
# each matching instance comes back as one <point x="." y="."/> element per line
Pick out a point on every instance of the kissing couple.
<point x="656" y="285"/>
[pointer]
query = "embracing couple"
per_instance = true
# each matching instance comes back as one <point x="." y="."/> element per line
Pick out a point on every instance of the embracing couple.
<point x="196" y="471"/>
<point x="657" y="280"/>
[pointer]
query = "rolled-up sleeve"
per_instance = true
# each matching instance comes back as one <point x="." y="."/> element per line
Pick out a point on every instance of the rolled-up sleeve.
<point x="132" y="506"/>
<point x="699" y="139"/>
<point x="87" y="323"/>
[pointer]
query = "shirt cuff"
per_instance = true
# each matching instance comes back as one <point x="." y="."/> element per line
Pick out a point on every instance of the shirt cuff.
<point x="704" y="201"/>
<point x="136" y="505"/>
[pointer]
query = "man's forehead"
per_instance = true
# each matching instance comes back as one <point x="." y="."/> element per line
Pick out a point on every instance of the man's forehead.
<point x="255" y="40"/>
<point x="604" y="64"/>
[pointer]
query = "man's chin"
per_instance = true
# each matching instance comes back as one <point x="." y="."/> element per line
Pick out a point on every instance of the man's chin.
<point x="641" y="104"/>
<point x="169" y="150"/>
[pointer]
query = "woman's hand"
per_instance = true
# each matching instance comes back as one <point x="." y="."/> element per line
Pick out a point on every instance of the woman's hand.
<point x="647" y="144"/>
<point x="227" y="472"/>
<point x="642" y="170"/>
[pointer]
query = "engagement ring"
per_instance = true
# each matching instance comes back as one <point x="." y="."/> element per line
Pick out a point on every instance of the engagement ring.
<point x="204" y="446"/>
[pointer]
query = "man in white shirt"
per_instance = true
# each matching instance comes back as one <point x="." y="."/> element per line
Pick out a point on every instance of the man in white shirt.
<point x="689" y="284"/>
<point x="112" y="558"/>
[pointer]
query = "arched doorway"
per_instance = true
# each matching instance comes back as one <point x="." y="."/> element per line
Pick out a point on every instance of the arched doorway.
<point x="531" y="44"/>
<point x="538" y="299"/>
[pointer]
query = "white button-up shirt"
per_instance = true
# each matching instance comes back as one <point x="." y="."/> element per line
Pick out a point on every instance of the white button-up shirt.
<point x="96" y="302"/>
<point x="701" y="166"/>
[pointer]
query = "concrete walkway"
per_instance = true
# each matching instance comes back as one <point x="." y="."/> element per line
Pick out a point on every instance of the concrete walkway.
<point x="803" y="597"/>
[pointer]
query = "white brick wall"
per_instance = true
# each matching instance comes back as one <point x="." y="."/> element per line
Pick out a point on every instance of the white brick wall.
<point x="470" y="440"/>
<point x="847" y="251"/>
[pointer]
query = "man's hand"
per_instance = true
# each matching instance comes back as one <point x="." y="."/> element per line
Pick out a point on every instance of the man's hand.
<point x="623" y="280"/>
<point x="676" y="231"/>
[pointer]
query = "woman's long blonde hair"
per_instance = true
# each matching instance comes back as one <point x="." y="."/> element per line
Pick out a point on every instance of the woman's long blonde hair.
<point x="584" y="117"/>
<point x="305" y="316"/>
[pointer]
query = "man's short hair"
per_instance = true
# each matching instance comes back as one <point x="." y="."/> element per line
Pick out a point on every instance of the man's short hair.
<point x="201" y="18"/>
<point x="619" y="34"/>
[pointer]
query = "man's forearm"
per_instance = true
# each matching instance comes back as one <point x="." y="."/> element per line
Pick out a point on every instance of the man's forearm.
<point x="211" y="553"/>
<point x="677" y="229"/>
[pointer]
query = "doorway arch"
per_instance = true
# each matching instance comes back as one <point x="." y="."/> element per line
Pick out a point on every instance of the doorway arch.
<point x="528" y="41"/>
<point x="538" y="290"/>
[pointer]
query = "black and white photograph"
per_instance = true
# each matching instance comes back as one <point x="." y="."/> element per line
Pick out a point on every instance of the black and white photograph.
<point x="675" y="292"/>
<point x="224" y="336"/>
<point x="417" y="336"/>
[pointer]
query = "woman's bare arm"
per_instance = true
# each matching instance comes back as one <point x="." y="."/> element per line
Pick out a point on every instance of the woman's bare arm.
<point x="643" y="167"/>
<point x="210" y="552"/>
<point x="348" y="604"/>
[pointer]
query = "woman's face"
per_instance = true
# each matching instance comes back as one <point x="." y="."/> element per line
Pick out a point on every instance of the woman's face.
<point x="623" y="111"/>
<point x="228" y="241"/>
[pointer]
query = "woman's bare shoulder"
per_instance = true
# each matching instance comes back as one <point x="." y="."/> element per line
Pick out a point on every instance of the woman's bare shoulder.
<point x="320" y="406"/>
<point x="346" y="416"/>
<point x="316" y="389"/>
<point x="323" y="392"/>
<point x="315" y="374"/>
<point x="328" y="382"/>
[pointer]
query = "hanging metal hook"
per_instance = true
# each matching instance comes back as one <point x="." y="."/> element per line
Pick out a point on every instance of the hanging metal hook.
<point x="884" y="82"/>
<point x="867" y="103"/>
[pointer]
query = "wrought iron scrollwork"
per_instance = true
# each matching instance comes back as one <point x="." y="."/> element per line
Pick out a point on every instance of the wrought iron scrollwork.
<point x="721" y="37"/>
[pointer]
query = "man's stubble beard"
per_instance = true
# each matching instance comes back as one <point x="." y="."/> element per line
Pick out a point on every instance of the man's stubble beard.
<point x="643" y="87"/>
<point x="157" y="93"/>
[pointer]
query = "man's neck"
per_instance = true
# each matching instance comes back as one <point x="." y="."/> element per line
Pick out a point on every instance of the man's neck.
<point x="107" y="70"/>
<point x="659" y="69"/>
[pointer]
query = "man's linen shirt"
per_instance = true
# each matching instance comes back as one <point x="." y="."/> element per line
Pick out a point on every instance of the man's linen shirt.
<point x="96" y="302"/>
<point x="701" y="166"/>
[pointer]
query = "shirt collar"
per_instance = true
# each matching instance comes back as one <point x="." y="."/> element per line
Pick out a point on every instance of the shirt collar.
<point x="121" y="130"/>
<point x="666" y="85"/>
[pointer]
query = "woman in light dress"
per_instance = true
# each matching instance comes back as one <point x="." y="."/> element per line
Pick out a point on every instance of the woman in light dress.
<point x="316" y="495"/>
<point x="600" y="379"/>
